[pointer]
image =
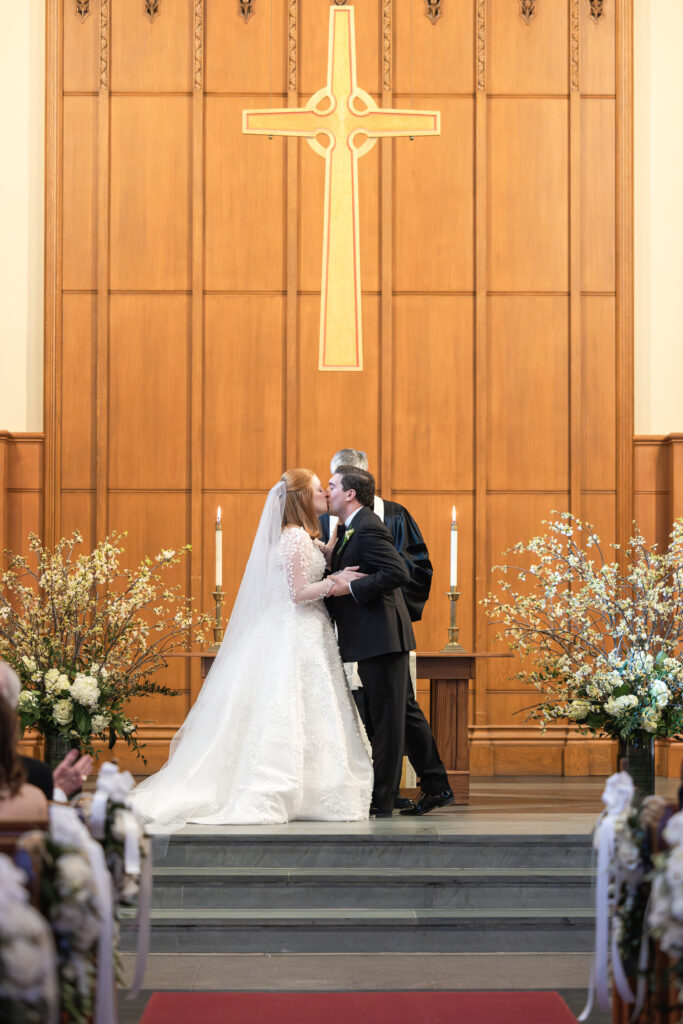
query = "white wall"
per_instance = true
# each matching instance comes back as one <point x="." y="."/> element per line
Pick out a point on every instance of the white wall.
<point x="22" y="116"/>
<point x="658" y="214"/>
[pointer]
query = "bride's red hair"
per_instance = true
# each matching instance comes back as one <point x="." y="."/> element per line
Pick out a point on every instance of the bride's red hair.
<point x="299" y="510"/>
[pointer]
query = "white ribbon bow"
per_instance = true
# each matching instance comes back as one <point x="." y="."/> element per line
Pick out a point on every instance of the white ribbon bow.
<point x="67" y="829"/>
<point x="617" y="798"/>
<point x="114" y="786"/>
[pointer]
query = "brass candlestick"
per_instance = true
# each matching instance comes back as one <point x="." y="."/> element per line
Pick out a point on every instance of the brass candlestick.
<point x="453" y="646"/>
<point x="218" y="597"/>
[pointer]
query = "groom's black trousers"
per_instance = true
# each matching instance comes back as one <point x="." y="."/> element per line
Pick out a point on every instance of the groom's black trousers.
<point x="386" y="679"/>
<point x="419" y="745"/>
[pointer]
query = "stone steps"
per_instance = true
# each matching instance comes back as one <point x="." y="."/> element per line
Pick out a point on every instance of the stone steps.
<point x="367" y="931"/>
<point x="427" y="888"/>
<point x="369" y="890"/>
<point x="399" y="849"/>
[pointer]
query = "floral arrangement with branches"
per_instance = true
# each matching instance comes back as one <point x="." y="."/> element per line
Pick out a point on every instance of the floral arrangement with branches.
<point x="603" y="638"/>
<point x="86" y="636"/>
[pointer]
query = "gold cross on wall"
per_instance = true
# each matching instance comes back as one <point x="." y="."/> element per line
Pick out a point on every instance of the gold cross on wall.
<point x="341" y="123"/>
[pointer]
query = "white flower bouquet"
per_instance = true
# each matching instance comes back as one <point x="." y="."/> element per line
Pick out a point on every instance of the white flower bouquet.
<point x="87" y="636"/>
<point x="28" y="960"/>
<point x="603" y="638"/>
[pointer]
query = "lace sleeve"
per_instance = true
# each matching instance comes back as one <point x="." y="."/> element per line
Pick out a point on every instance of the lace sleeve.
<point x="296" y="555"/>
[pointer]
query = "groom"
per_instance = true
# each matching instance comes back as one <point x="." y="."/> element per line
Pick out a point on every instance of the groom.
<point x="373" y="624"/>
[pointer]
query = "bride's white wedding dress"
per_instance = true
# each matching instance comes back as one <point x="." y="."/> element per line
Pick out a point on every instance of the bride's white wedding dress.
<point x="274" y="735"/>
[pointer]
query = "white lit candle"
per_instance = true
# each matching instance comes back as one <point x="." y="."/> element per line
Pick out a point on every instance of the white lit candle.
<point x="454" y="550"/>
<point x="219" y="549"/>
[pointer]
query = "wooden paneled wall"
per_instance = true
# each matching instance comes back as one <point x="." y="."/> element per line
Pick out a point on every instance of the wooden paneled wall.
<point x="183" y="277"/>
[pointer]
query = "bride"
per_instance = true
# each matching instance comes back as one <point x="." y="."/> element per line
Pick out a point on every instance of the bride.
<point x="274" y="735"/>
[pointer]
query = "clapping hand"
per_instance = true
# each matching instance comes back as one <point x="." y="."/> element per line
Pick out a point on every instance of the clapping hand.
<point x="342" y="580"/>
<point x="72" y="772"/>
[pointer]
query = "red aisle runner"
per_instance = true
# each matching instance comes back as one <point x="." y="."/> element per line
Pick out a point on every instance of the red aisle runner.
<point x="357" y="1007"/>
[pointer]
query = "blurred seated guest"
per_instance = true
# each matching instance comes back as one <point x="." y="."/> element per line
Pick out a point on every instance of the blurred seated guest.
<point x="19" y="801"/>
<point x="69" y="775"/>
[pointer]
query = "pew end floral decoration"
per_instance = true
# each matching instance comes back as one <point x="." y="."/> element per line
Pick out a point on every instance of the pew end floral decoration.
<point x="87" y="636"/>
<point x="602" y="639"/>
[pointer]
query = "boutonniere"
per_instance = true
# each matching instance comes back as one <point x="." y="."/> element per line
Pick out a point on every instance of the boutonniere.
<point x="347" y="537"/>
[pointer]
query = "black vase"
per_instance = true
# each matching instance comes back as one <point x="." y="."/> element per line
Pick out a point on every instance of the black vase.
<point x="56" y="749"/>
<point x="638" y="751"/>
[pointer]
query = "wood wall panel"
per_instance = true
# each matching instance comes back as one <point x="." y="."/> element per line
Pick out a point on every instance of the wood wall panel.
<point x="311" y="209"/>
<point x="344" y="412"/>
<point x="244" y="348"/>
<point x="433" y="59"/>
<point x="78" y="513"/>
<point x="149" y="342"/>
<point x="77" y="410"/>
<point x="434" y="201"/>
<point x="528" y="181"/>
<point x="81" y="51"/>
<point x="490" y="380"/>
<point x="599" y="509"/>
<point x="312" y="50"/>
<point x="79" y="240"/>
<point x="151" y="56"/>
<point x="528" y="357"/>
<point x="241" y="513"/>
<point x="598" y="208"/>
<point x="150" y="223"/>
<point x="245" y="201"/>
<point x="432" y="512"/>
<point x="527" y="58"/>
<point x="250" y="60"/>
<point x="513" y="517"/>
<point x="433" y="369"/>
<point x="598" y="361"/>
<point x="598" y="51"/>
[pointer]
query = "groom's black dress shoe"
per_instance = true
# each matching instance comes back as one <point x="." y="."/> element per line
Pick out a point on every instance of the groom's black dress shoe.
<point x="401" y="803"/>
<point x="377" y="812"/>
<point x="428" y="801"/>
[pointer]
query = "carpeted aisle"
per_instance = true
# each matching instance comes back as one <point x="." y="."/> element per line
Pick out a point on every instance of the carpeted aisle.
<point x="349" y="1007"/>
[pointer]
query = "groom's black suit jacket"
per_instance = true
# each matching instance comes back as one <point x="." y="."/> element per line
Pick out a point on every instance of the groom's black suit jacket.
<point x="373" y="620"/>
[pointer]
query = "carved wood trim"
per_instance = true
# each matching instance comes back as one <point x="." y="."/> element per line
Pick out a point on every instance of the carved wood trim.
<point x="104" y="43"/>
<point x="575" y="37"/>
<point x="596" y="10"/>
<point x="83" y="9"/>
<point x="198" y="44"/>
<point x="245" y="9"/>
<point x="151" y="9"/>
<point x="576" y="386"/>
<point x="433" y="10"/>
<point x="51" y="526"/>
<point x="481" y="44"/>
<point x="527" y="10"/>
<point x="292" y="30"/>
<point x="196" y="411"/>
<point x="386" y="44"/>
<point x="624" y="269"/>
<point x="291" y="361"/>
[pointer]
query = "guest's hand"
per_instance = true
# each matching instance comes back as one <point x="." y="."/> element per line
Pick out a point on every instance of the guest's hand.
<point x="72" y="772"/>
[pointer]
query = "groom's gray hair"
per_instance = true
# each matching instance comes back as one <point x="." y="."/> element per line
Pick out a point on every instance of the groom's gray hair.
<point x="349" y="457"/>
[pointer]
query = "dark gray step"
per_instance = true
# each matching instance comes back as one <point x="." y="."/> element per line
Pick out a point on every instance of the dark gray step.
<point x="378" y="850"/>
<point x="302" y="888"/>
<point x="366" y="931"/>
